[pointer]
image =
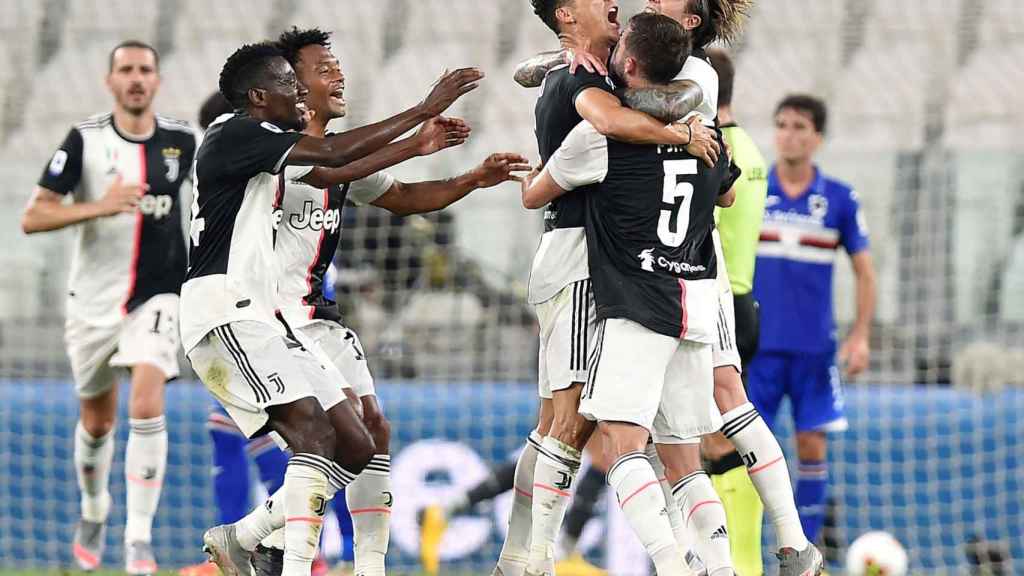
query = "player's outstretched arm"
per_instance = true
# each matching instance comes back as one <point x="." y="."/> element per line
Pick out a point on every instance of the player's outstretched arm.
<point x="436" y="134"/>
<point x="46" y="210"/>
<point x="340" y="149"/>
<point x="420" y="197"/>
<point x="668" y="103"/>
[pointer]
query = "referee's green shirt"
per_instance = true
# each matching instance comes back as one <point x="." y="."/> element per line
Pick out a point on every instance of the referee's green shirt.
<point x="740" y="225"/>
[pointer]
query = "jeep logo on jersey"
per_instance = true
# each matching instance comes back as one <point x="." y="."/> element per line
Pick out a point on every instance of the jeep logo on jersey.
<point x="156" y="206"/>
<point x="316" y="218"/>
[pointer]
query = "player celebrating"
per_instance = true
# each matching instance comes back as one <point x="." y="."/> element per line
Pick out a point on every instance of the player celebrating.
<point x="308" y="234"/>
<point x="649" y="223"/>
<point x="808" y="216"/>
<point x="264" y="377"/>
<point x="125" y="171"/>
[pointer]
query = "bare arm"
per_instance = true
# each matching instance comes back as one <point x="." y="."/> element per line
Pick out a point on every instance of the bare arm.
<point x="605" y="111"/>
<point x="531" y="72"/>
<point x="728" y="199"/>
<point x="340" y="149"/>
<point x="405" y="199"/>
<point x="46" y="210"/>
<point x="855" y="352"/>
<point x="539" y="189"/>
<point x="666" y="103"/>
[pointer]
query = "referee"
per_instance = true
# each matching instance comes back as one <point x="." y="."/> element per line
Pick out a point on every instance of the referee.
<point x="740" y="228"/>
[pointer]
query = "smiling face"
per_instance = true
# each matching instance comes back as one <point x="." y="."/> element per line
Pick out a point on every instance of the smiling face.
<point x="284" y="98"/>
<point x="320" y="72"/>
<point x="133" y="79"/>
<point x="597" y="21"/>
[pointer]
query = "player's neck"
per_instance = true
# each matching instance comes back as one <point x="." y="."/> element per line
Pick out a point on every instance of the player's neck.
<point x="576" y="41"/>
<point x="135" y="126"/>
<point x="725" y="115"/>
<point x="316" y="126"/>
<point x="795" y="177"/>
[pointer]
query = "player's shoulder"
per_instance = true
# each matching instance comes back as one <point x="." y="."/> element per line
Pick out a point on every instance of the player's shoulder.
<point x="169" y="124"/>
<point x="95" y="122"/>
<point x="837" y="188"/>
<point x="571" y="81"/>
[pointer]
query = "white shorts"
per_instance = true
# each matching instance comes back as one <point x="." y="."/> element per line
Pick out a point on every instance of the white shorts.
<point x="567" y="324"/>
<point x="147" y="335"/>
<point x="661" y="383"/>
<point x="248" y="366"/>
<point x="724" y="349"/>
<point x="344" y="350"/>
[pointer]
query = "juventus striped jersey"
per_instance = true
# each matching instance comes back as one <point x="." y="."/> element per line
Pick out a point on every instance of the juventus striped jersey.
<point x="799" y="241"/>
<point x="121" y="261"/>
<point x="308" y="231"/>
<point x="232" y="273"/>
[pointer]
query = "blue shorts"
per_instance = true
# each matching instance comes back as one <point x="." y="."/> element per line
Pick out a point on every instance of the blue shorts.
<point x="812" y="383"/>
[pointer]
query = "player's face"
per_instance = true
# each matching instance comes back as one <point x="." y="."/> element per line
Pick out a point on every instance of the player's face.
<point x="134" y="79"/>
<point x="678" y="10"/>
<point x="598" y="20"/>
<point x="285" y="98"/>
<point x="320" y="72"/>
<point x="796" y="140"/>
<point x="620" y="73"/>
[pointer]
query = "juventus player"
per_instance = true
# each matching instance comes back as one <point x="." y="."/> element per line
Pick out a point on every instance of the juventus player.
<point x="559" y="285"/>
<point x="653" y="265"/>
<point x="124" y="172"/>
<point x="264" y="377"/>
<point x="307" y="239"/>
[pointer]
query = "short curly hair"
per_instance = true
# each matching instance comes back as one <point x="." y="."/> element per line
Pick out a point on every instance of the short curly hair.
<point x="290" y="42"/>
<point x="247" y="68"/>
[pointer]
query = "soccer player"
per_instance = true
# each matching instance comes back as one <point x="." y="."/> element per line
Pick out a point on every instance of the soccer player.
<point x="559" y="280"/>
<point x="309" y="228"/>
<point x="266" y="378"/>
<point x="808" y="217"/>
<point x="649" y="220"/>
<point x="124" y="172"/>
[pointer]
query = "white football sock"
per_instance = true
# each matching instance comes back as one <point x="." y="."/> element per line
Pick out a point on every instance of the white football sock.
<point x="557" y="465"/>
<point x="703" y="511"/>
<point x="643" y="503"/>
<point x="93" y="457"/>
<point x="262" y="521"/>
<point x="684" y="538"/>
<point x="515" y="551"/>
<point x="145" y="461"/>
<point x="766" y="466"/>
<point x="369" y="502"/>
<point x="309" y="484"/>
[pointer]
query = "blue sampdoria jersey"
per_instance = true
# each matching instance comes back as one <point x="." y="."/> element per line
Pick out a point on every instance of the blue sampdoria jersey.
<point x="799" y="242"/>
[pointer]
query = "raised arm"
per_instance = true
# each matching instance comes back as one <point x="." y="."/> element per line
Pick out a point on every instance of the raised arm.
<point x="605" y="111"/>
<point x="531" y="72"/>
<point x="666" y="103"/>
<point x="340" y="149"/>
<point x="420" y="197"/>
<point x="46" y="210"/>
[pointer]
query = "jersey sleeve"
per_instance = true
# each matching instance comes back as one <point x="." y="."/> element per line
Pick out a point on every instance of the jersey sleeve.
<point x="584" y="79"/>
<point x="369" y="189"/>
<point x="296" y="173"/>
<point x="853" y="229"/>
<point x="64" y="171"/>
<point x="250" y="146"/>
<point x="582" y="158"/>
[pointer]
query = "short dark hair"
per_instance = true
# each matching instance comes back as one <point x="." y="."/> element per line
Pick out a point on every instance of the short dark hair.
<point x="215" y="106"/>
<point x="292" y="41"/>
<point x="246" y="69"/>
<point x="133" y="44"/>
<point x="659" y="44"/>
<point x="723" y="65"/>
<point x="809" y="104"/>
<point x="546" y="10"/>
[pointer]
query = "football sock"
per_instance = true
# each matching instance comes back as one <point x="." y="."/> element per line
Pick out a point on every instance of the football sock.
<point x="767" y="468"/>
<point x="515" y="551"/>
<point x="705" y="515"/>
<point x="588" y="490"/>
<point x="743" y="512"/>
<point x="675" y="514"/>
<point x="93" y="457"/>
<point x="557" y="465"/>
<point x="643" y="504"/>
<point x="145" y="462"/>
<point x="309" y="485"/>
<point x="811" y="487"/>
<point x="369" y="501"/>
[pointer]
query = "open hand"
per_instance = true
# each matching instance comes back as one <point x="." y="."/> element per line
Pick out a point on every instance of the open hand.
<point x="121" y="197"/>
<point x="449" y="88"/>
<point x="439" y="133"/>
<point x="578" y="57"/>
<point x="502" y="167"/>
<point x="703" y="142"/>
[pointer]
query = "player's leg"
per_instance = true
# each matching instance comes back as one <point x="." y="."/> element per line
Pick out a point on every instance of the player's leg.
<point x="271" y="461"/>
<point x="589" y="490"/>
<point x="569" y="319"/>
<point x="93" y="455"/>
<point x="623" y="394"/>
<point x="231" y="491"/>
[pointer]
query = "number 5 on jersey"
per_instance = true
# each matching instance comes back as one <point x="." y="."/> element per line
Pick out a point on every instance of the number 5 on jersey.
<point x="672" y="192"/>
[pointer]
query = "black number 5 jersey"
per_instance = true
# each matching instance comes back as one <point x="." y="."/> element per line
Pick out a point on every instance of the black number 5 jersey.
<point x="648" y="224"/>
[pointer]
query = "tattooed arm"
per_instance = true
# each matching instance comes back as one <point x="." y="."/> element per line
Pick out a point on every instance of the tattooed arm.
<point x="666" y="103"/>
<point x="530" y="72"/>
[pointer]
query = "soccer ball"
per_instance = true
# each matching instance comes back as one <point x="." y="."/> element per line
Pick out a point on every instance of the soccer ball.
<point x="876" y="554"/>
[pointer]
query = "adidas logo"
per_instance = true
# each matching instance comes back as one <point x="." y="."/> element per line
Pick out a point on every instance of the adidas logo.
<point x="720" y="533"/>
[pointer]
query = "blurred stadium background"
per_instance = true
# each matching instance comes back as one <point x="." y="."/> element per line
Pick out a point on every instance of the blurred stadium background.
<point x="926" y="120"/>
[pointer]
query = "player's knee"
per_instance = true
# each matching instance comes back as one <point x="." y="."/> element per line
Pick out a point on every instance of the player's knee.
<point x="572" y="430"/>
<point x="356" y="451"/>
<point x="309" y="431"/>
<point x="97" y="426"/>
<point x="729" y="392"/>
<point x="811" y="446"/>
<point x="380" y="430"/>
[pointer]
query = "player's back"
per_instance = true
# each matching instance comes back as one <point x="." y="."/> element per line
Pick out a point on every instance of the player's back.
<point x="698" y="69"/>
<point x="120" y="261"/>
<point x="232" y="271"/>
